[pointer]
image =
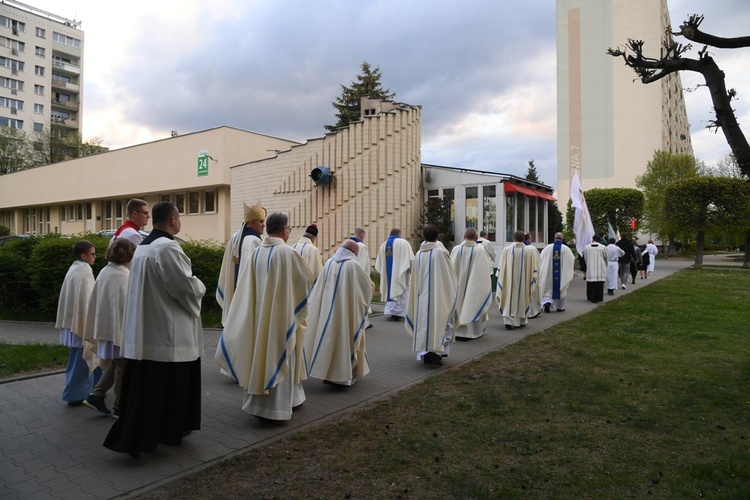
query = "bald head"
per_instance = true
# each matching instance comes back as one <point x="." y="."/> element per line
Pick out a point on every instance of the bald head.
<point x="352" y="246"/>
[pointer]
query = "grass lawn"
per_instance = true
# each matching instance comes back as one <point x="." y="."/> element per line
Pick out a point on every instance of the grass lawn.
<point x="18" y="360"/>
<point x="644" y="396"/>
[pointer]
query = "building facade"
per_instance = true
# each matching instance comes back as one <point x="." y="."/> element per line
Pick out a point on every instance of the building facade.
<point x="374" y="181"/>
<point x="41" y="70"/>
<point x="90" y="194"/>
<point x="497" y="203"/>
<point x="609" y="123"/>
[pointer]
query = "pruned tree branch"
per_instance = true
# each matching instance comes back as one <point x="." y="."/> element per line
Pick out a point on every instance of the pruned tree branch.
<point x="689" y="29"/>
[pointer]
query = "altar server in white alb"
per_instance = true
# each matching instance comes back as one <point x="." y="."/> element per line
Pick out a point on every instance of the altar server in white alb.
<point x="72" y="307"/>
<point x="162" y="343"/>
<point x="262" y="343"/>
<point x="393" y="263"/>
<point x="472" y="265"/>
<point x="103" y="332"/>
<point x="337" y="319"/>
<point x="652" y="251"/>
<point x="517" y="274"/>
<point x="239" y="248"/>
<point x="307" y="249"/>
<point x="613" y="266"/>
<point x="555" y="274"/>
<point x="432" y="300"/>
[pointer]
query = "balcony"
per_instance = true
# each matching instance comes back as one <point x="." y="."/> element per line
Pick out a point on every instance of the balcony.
<point x="67" y="86"/>
<point x="66" y="68"/>
<point x="66" y="49"/>
<point x="58" y="121"/>
<point x="65" y="104"/>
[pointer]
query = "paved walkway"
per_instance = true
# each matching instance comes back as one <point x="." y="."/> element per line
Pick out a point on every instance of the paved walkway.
<point x="49" y="450"/>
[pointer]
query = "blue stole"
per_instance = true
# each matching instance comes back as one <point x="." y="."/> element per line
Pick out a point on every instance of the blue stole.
<point x="389" y="262"/>
<point x="355" y="239"/>
<point x="556" y="269"/>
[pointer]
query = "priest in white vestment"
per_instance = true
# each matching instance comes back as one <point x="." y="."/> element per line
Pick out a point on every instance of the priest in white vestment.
<point x="262" y="343"/>
<point x="72" y="307"/>
<point x="555" y="274"/>
<point x="472" y="265"/>
<point x="337" y="319"/>
<point x="517" y="275"/>
<point x="393" y="263"/>
<point x="432" y="300"/>
<point x="363" y="257"/>
<point x="239" y="248"/>
<point x="307" y="249"/>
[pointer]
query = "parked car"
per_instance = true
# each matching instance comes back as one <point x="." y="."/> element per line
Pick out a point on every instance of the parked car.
<point x="11" y="237"/>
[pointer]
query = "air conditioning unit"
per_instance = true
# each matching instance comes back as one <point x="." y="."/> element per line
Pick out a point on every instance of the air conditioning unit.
<point x="13" y="111"/>
<point x="14" y="52"/>
<point x="13" y="92"/>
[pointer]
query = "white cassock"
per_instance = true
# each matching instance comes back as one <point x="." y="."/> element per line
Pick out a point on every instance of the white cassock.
<point x="336" y="321"/>
<point x="472" y="266"/>
<point x="613" y="266"/>
<point x="432" y="300"/>
<point x="393" y="263"/>
<point x="102" y="331"/>
<point x="262" y="343"/>
<point x="363" y="257"/>
<point x="307" y="249"/>
<point x="554" y="279"/>
<point x="229" y="273"/>
<point x="652" y="250"/>
<point x="517" y="274"/>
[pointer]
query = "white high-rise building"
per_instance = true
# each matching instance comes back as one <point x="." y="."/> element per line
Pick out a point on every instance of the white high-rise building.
<point x="41" y="70"/>
<point x="608" y="122"/>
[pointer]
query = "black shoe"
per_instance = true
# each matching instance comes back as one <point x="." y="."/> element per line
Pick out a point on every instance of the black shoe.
<point x="96" y="404"/>
<point x="432" y="358"/>
<point x="396" y="318"/>
<point x="561" y="310"/>
<point x="75" y="403"/>
<point x="369" y="326"/>
<point x="546" y="307"/>
<point x="508" y="327"/>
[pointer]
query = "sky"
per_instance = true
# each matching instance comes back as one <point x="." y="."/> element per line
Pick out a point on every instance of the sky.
<point x="484" y="71"/>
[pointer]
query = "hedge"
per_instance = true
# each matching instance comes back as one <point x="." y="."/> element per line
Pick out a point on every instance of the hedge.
<point x="32" y="271"/>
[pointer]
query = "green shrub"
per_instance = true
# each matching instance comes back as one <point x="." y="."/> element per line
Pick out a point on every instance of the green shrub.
<point x="206" y="257"/>
<point x="49" y="263"/>
<point x="17" y="297"/>
<point x="4" y="231"/>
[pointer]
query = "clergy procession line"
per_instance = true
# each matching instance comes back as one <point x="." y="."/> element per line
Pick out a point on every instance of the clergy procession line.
<point x="286" y="315"/>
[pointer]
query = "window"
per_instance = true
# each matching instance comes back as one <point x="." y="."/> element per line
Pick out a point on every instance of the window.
<point x="39" y="70"/>
<point x="5" y="102"/>
<point x="61" y="78"/>
<point x="14" y="45"/>
<point x="165" y="197"/>
<point x="472" y="214"/>
<point x="10" y="83"/>
<point x="193" y="202"/>
<point x="16" y="66"/>
<point x="510" y="215"/>
<point x="79" y="211"/>
<point x="39" y="89"/>
<point x="41" y="33"/>
<point x="16" y="26"/>
<point x="209" y="202"/>
<point x="38" y="127"/>
<point x="179" y="201"/>
<point x="39" y="109"/>
<point x="449" y="197"/>
<point x="66" y="40"/>
<point x="489" y="205"/>
<point x="39" y="51"/>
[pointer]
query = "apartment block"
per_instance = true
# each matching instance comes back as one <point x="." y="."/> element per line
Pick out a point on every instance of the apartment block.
<point x="41" y="70"/>
<point x="608" y="122"/>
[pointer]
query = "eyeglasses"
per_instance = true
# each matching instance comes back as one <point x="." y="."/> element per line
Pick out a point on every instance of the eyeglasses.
<point x="142" y="211"/>
<point x="288" y="228"/>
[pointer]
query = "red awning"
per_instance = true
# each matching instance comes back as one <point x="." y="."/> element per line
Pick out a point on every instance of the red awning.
<point x="510" y="188"/>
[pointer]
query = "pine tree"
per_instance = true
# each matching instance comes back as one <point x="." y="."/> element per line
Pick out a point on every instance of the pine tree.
<point x="348" y="103"/>
<point x="531" y="174"/>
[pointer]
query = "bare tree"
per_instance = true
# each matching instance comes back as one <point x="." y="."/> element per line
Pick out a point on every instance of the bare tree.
<point x="671" y="60"/>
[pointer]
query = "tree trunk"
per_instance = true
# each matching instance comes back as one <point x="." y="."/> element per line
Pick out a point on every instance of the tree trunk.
<point x="699" y="242"/>
<point x="746" y="262"/>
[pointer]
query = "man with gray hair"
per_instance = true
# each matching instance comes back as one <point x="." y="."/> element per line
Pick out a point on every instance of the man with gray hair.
<point x="337" y="319"/>
<point x="262" y="343"/>
<point x="555" y="274"/>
